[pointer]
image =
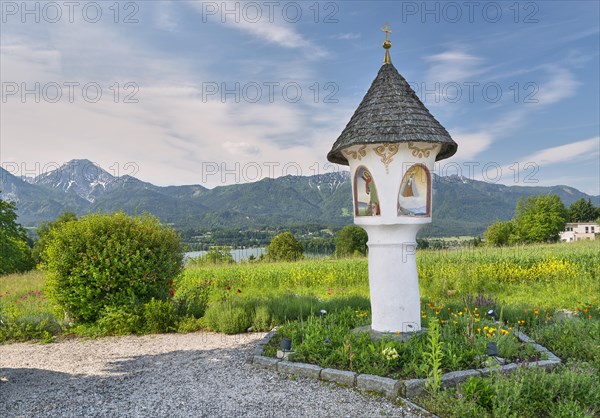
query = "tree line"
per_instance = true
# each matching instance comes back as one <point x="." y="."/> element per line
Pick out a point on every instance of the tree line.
<point x="540" y="219"/>
<point x="537" y="219"/>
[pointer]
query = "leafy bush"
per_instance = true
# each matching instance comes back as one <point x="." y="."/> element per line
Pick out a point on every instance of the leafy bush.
<point x="14" y="246"/>
<point x="192" y="297"/>
<point x="118" y="321"/>
<point x="113" y="260"/>
<point x="263" y="320"/>
<point x="352" y="239"/>
<point x="228" y="318"/>
<point x="572" y="338"/>
<point x="285" y="247"/>
<point x="160" y="316"/>
<point x="190" y="324"/>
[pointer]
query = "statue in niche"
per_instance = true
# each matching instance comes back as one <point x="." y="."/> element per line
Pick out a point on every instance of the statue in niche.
<point x="413" y="198"/>
<point x="409" y="189"/>
<point x="365" y="194"/>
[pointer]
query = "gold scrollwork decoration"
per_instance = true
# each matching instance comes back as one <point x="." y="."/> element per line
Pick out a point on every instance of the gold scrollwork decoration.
<point x="386" y="151"/>
<point x="361" y="152"/>
<point x="421" y="152"/>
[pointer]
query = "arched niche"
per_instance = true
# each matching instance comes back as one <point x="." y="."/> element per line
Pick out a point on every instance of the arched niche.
<point x="366" y="198"/>
<point x="414" y="197"/>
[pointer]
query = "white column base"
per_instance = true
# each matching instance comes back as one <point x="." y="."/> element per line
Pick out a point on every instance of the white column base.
<point x="393" y="278"/>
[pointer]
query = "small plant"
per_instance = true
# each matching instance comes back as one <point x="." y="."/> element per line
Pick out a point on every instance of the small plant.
<point x="119" y="321"/>
<point x="480" y="391"/>
<point x="434" y="357"/>
<point x="263" y="320"/>
<point x="190" y="324"/>
<point x="160" y="316"/>
<point x="228" y="317"/>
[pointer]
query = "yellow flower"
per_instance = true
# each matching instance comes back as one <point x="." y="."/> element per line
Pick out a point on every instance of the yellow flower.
<point x="460" y="313"/>
<point x="485" y="328"/>
<point x="424" y="316"/>
<point x="488" y="335"/>
<point x="478" y="329"/>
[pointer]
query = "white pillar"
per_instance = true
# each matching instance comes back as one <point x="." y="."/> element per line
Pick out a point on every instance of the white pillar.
<point x="393" y="278"/>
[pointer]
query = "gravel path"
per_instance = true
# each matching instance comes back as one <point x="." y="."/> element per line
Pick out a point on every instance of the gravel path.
<point x="167" y="375"/>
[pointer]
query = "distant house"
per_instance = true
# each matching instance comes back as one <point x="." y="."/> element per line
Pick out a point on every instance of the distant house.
<point x="579" y="231"/>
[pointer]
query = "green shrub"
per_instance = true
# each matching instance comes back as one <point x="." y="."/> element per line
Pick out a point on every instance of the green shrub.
<point x="285" y="247"/>
<point x="119" y="321"/>
<point x="190" y="324"/>
<point x="40" y="326"/>
<point x="572" y="338"/>
<point x="113" y="260"/>
<point x="229" y="318"/>
<point x="192" y="297"/>
<point x="479" y="391"/>
<point x="160" y="316"/>
<point x="263" y="320"/>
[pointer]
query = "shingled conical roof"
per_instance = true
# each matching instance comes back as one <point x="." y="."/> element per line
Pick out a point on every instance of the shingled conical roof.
<point x="391" y="112"/>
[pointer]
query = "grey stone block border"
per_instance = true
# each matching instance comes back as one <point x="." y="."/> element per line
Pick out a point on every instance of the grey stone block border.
<point x="390" y="388"/>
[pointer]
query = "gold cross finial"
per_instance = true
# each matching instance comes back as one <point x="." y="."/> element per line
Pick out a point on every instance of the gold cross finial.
<point x="387" y="31"/>
<point x="387" y="44"/>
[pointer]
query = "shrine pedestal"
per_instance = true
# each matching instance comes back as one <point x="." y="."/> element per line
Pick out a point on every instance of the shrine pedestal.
<point x="393" y="278"/>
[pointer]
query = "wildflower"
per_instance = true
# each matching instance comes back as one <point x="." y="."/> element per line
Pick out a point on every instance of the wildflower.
<point x="171" y="282"/>
<point x="327" y="340"/>
<point x="172" y="292"/>
<point x="536" y="312"/>
<point x="239" y="291"/>
<point x="460" y="313"/>
<point x="390" y="353"/>
<point x="424" y="316"/>
<point x="478" y="330"/>
<point x="485" y="328"/>
<point x="228" y="288"/>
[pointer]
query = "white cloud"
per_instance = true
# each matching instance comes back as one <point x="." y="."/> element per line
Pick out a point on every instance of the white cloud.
<point x="262" y="26"/>
<point x="454" y="65"/>
<point x="471" y="144"/>
<point x="562" y="84"/>
<point x="164" y="18"/>
<point x="572" y="152"/>
<point x="346" y="36"/>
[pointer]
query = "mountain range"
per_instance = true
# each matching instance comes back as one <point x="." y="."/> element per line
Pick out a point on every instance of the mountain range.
<point x="461" y="206"/>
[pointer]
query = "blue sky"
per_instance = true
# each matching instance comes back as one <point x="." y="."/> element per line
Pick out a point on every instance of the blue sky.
<point x="215" y="93"/>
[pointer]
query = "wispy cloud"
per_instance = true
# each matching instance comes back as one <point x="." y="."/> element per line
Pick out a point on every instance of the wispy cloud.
<point x="454" y="65"/>
<point x="164" y="18"/>
<point x="346" y="36"/>
<point x="273" y="31"/>
<point x="472" y="144"/>
<point x="580" y="150"/>
<point x="561" y="84"/>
